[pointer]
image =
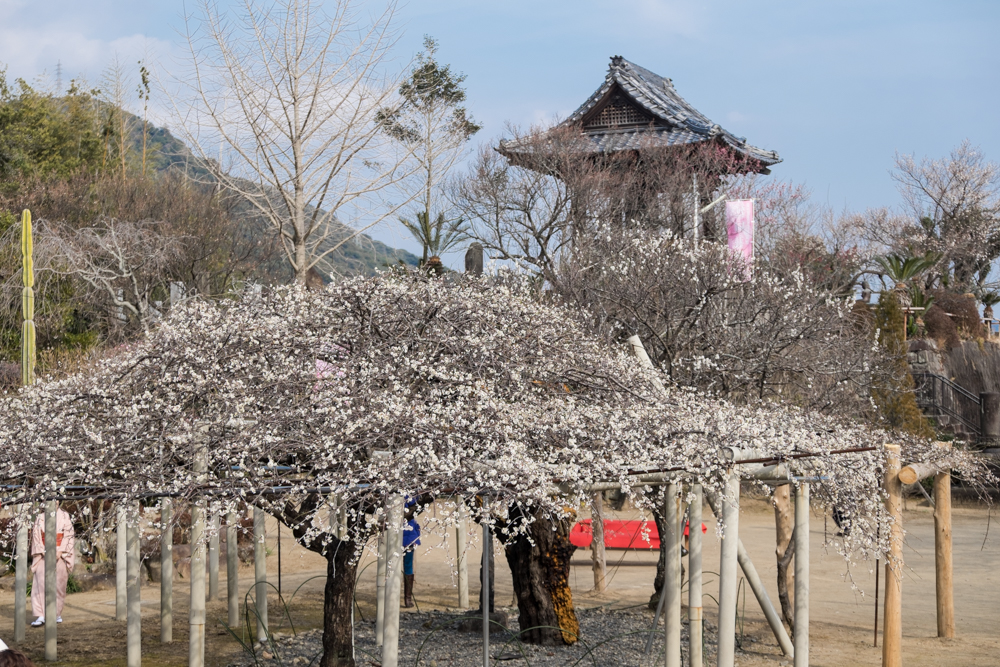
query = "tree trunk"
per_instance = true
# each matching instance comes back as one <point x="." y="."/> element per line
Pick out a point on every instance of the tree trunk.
<point x="338" y="631"/>
<point x="784" y="524"/>
<point x="661" y="527"/>
<point x="541" y="582"/>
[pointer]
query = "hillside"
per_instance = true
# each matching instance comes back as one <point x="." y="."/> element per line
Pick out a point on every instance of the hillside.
<point x="361" y="255"/>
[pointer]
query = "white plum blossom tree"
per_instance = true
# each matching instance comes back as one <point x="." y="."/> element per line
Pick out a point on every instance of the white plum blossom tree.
<point x="473" y="388"/>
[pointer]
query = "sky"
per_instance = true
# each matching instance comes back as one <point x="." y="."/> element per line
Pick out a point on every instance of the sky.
<point x="836" y="88"/>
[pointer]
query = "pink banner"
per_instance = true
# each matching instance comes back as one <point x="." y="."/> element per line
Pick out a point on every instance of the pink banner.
<point x="739" y="226"/>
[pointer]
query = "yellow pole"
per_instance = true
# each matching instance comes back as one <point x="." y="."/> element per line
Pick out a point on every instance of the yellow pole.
<point x="27" y="302"/>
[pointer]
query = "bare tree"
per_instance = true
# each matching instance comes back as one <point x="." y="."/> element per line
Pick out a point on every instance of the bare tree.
<point x="955" y="204"/>
<point x="519" y="215"/>
<point x="123" y="262"/>
<point x="115" y="89"/>
<point x="281" y="110"/>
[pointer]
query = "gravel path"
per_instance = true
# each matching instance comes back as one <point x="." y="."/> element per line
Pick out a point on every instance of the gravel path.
<point x="615" y="637"/>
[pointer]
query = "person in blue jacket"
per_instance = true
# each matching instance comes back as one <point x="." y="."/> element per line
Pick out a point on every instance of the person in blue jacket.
<point x="411" y="538"/>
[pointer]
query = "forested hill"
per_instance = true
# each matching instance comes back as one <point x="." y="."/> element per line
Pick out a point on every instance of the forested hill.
<point x="361" y="255"/>
<point x="49" y="143"/>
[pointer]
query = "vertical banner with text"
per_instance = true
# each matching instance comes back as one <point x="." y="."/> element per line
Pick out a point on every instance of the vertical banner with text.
<point x="739" y="228"/>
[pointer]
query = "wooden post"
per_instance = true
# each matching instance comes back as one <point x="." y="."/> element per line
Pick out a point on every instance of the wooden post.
<point x="232" y="570"/>
<point x="597" y="542"/>
<point x="380" y="588"/>
<point x="461" y="540"/>
<point x="260" y="572"/>
<point x="213" y="554"/>
<point x="394" y="578"/>
<point x="166" y="573"/>
<point x="942" y="555"/>
<point x="196" y="617"/>
<point x="695" y="631"/>
<point x="726" y="655"/>
<point x="21" y="577"/>
<point x="133" y="636"/>
<point x="892" y="621"/>
<point x="121" y="574"/>
<point x="759" y="591"/>
<point x="484" y="593"/>
<point x="51" y="617"/>
<point x="672" y="578"/>
<point x="770" y="613"/>
<point x="913" y="474"/>
<point x="801" y="645"/>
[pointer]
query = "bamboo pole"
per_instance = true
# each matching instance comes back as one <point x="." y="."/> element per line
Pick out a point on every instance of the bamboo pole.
<point x="942" y="555"/>
<point x="196" y="618"/>
<point x="232" y="570"/>
<point x="695" y="629"/>
<point x="260" y="572"/>
<point x="121" y="574"/>
<point x="672" y="579"/>
<point x="21" y="579"/>
<point x="726" y="655"/>
<point x="51" y="616"/>
<point x="597" y="543"/>
<point x="166" y="573"/>
<point x="27" y="377"/>
<point x="892" y="622"/>
<point x="394" y="578"/>
<point x="461" y="539"/>
<point x="133" y="639"/>
<point x="801" y="655"/>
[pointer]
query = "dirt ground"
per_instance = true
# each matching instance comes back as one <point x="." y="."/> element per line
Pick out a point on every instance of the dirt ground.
<point x="841" y="629"/>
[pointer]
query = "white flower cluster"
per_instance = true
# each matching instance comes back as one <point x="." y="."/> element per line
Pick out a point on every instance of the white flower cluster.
<point x="778" y="337"/>
<point x="399" y="385"/>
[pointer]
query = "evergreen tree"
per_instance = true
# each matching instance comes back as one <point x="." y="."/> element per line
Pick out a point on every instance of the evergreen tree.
<point x="431" y="121"/>
<point x="43" y="135"/>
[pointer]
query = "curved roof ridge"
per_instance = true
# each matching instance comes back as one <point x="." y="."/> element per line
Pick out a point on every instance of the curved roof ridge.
<point x="656" y="95"/>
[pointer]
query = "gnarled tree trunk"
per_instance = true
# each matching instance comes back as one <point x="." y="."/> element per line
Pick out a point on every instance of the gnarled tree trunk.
<point x="784" y="524"/>
<point x="661" y="526"/>
<point x="338" y="631"/>
<point x="541" y="582"/>
<point x="341" y="572"/>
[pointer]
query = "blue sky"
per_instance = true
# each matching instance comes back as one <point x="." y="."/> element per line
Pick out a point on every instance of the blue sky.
<point x="835" y="87"/>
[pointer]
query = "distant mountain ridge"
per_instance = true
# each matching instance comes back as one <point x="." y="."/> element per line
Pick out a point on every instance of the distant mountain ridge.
<point x="361" y="255"/>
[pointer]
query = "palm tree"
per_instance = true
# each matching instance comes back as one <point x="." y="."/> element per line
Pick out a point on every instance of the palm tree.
<point x="901" y="270"/>
<point x="438" y="237"/>
<point x="989" y="299"/>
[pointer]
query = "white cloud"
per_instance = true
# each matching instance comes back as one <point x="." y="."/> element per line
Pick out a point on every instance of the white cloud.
<point x="33" y="52"/>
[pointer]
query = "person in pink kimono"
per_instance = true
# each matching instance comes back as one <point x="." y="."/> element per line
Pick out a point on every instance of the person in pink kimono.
<point x="65" y="558"/>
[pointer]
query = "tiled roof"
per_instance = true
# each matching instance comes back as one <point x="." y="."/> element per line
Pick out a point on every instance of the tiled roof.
<point x="674" y="121"/>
